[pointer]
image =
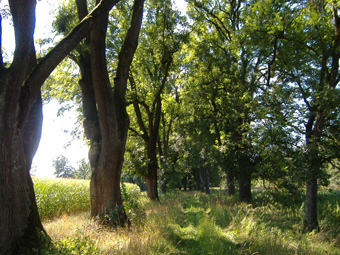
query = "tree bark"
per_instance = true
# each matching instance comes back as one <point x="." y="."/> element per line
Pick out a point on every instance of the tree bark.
<point x="244" y="178"/>
<point x="20" y="126"/>
<point x="113" y="118"/>
<point x="151" y="177"/>
<point x="311" y="219"/>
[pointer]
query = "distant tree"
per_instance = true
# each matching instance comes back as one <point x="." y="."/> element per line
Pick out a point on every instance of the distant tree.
<point x="62" y="169"/>
<point x="83" y="171"/>
<point x="151" y="77"/>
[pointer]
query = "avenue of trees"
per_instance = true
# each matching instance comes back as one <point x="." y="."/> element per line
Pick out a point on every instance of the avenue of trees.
<point x="233" y="92"/>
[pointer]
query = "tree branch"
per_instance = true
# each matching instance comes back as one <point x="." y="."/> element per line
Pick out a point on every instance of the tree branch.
<point x="47" y="64"/>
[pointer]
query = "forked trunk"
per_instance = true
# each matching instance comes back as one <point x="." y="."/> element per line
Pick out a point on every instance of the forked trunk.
<point x="113" y="118"/>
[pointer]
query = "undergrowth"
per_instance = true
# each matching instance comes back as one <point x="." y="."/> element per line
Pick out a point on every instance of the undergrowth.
<point x="194" y="223"/>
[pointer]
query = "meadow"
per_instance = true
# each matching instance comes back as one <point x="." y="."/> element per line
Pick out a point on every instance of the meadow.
<point x="189" y="223"/>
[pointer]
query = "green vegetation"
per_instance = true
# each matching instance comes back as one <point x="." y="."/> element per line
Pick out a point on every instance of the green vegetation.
<point x="56" y="197"/>
<point x="196" y="223"/>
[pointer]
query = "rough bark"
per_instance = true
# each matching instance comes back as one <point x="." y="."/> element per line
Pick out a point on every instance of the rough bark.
<point x="151" y="177"/>
<point x="113" y="118"/>
<point x="311" y="219"/>
<point x="20" y="126"/>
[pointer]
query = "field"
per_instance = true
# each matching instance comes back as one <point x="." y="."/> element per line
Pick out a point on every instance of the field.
<point x="194" y="223"/>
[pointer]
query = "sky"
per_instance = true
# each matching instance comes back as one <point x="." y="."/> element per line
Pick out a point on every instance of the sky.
<point x="54" y="140"/>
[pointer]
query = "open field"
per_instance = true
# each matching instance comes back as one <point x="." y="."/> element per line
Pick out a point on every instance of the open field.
<point x="194" y="223"/>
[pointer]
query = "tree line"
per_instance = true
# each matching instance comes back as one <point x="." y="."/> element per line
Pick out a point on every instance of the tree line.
<point x="242" y="89"/>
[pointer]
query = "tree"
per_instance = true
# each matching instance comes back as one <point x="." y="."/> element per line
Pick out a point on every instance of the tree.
<point x="320" y="37"/>
<point x="304" y="63"/>
<point x="112" y="115"/>
<point x="105" y="118"/>
<point x="224" y="69"/>
<point x="20" y="128"/>
<point x="154" y="66"/>
<point x="83" y="171"/>
<point x="62" y="170"/>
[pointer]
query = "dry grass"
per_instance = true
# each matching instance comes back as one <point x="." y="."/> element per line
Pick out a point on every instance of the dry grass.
<point x="193" y="223"/>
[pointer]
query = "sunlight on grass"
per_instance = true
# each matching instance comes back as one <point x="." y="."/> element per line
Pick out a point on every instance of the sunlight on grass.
<point x="194" y="223"/>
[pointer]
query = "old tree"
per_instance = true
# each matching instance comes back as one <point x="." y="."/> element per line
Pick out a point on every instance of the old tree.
<point x="21" y="117"/>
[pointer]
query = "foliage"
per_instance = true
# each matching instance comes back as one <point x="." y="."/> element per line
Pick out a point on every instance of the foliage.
<point x="62" y="169"/>
<point x="83" y="171"/>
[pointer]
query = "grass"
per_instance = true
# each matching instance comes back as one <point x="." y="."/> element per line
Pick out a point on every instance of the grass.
<point x="194" y="223"/>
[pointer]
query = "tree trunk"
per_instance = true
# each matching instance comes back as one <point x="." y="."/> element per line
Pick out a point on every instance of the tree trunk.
<point x="20" y="227"/>
<point x="313" y="137"/>
<point x="311" y="220"/>
<point x="20" y="126"/>
<point x="244" y="179"/>
<point x="202" y="179"/>
<point x="151" y="184"/>
<point x="207" y="187"/>
<point x="113" y="118"/>
<point x="230" y="183"/>
<point x="151" y="178"/>
<point x="184" y="182"/>
<point x="197" y="180"/>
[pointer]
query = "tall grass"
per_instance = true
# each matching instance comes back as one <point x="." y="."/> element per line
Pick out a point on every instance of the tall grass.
<point x="187" y="223"/>
<point x="194" y="223"/>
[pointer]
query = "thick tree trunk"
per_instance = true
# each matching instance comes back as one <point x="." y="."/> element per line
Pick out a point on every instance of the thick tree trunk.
<point x="151" y="178"/>
<point x="313" y="137"/>
<point x="113" y="118"/>
<point x="244" y="183"/>
<point x="244" y="179"/>
<point x="20" y="125"/>
<point x="311" y="220"/>
<point x="204" y="176"/>
<point x="151" y="183"/>
<point x="202" y="180"/>
<point x="20" y="227"/>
